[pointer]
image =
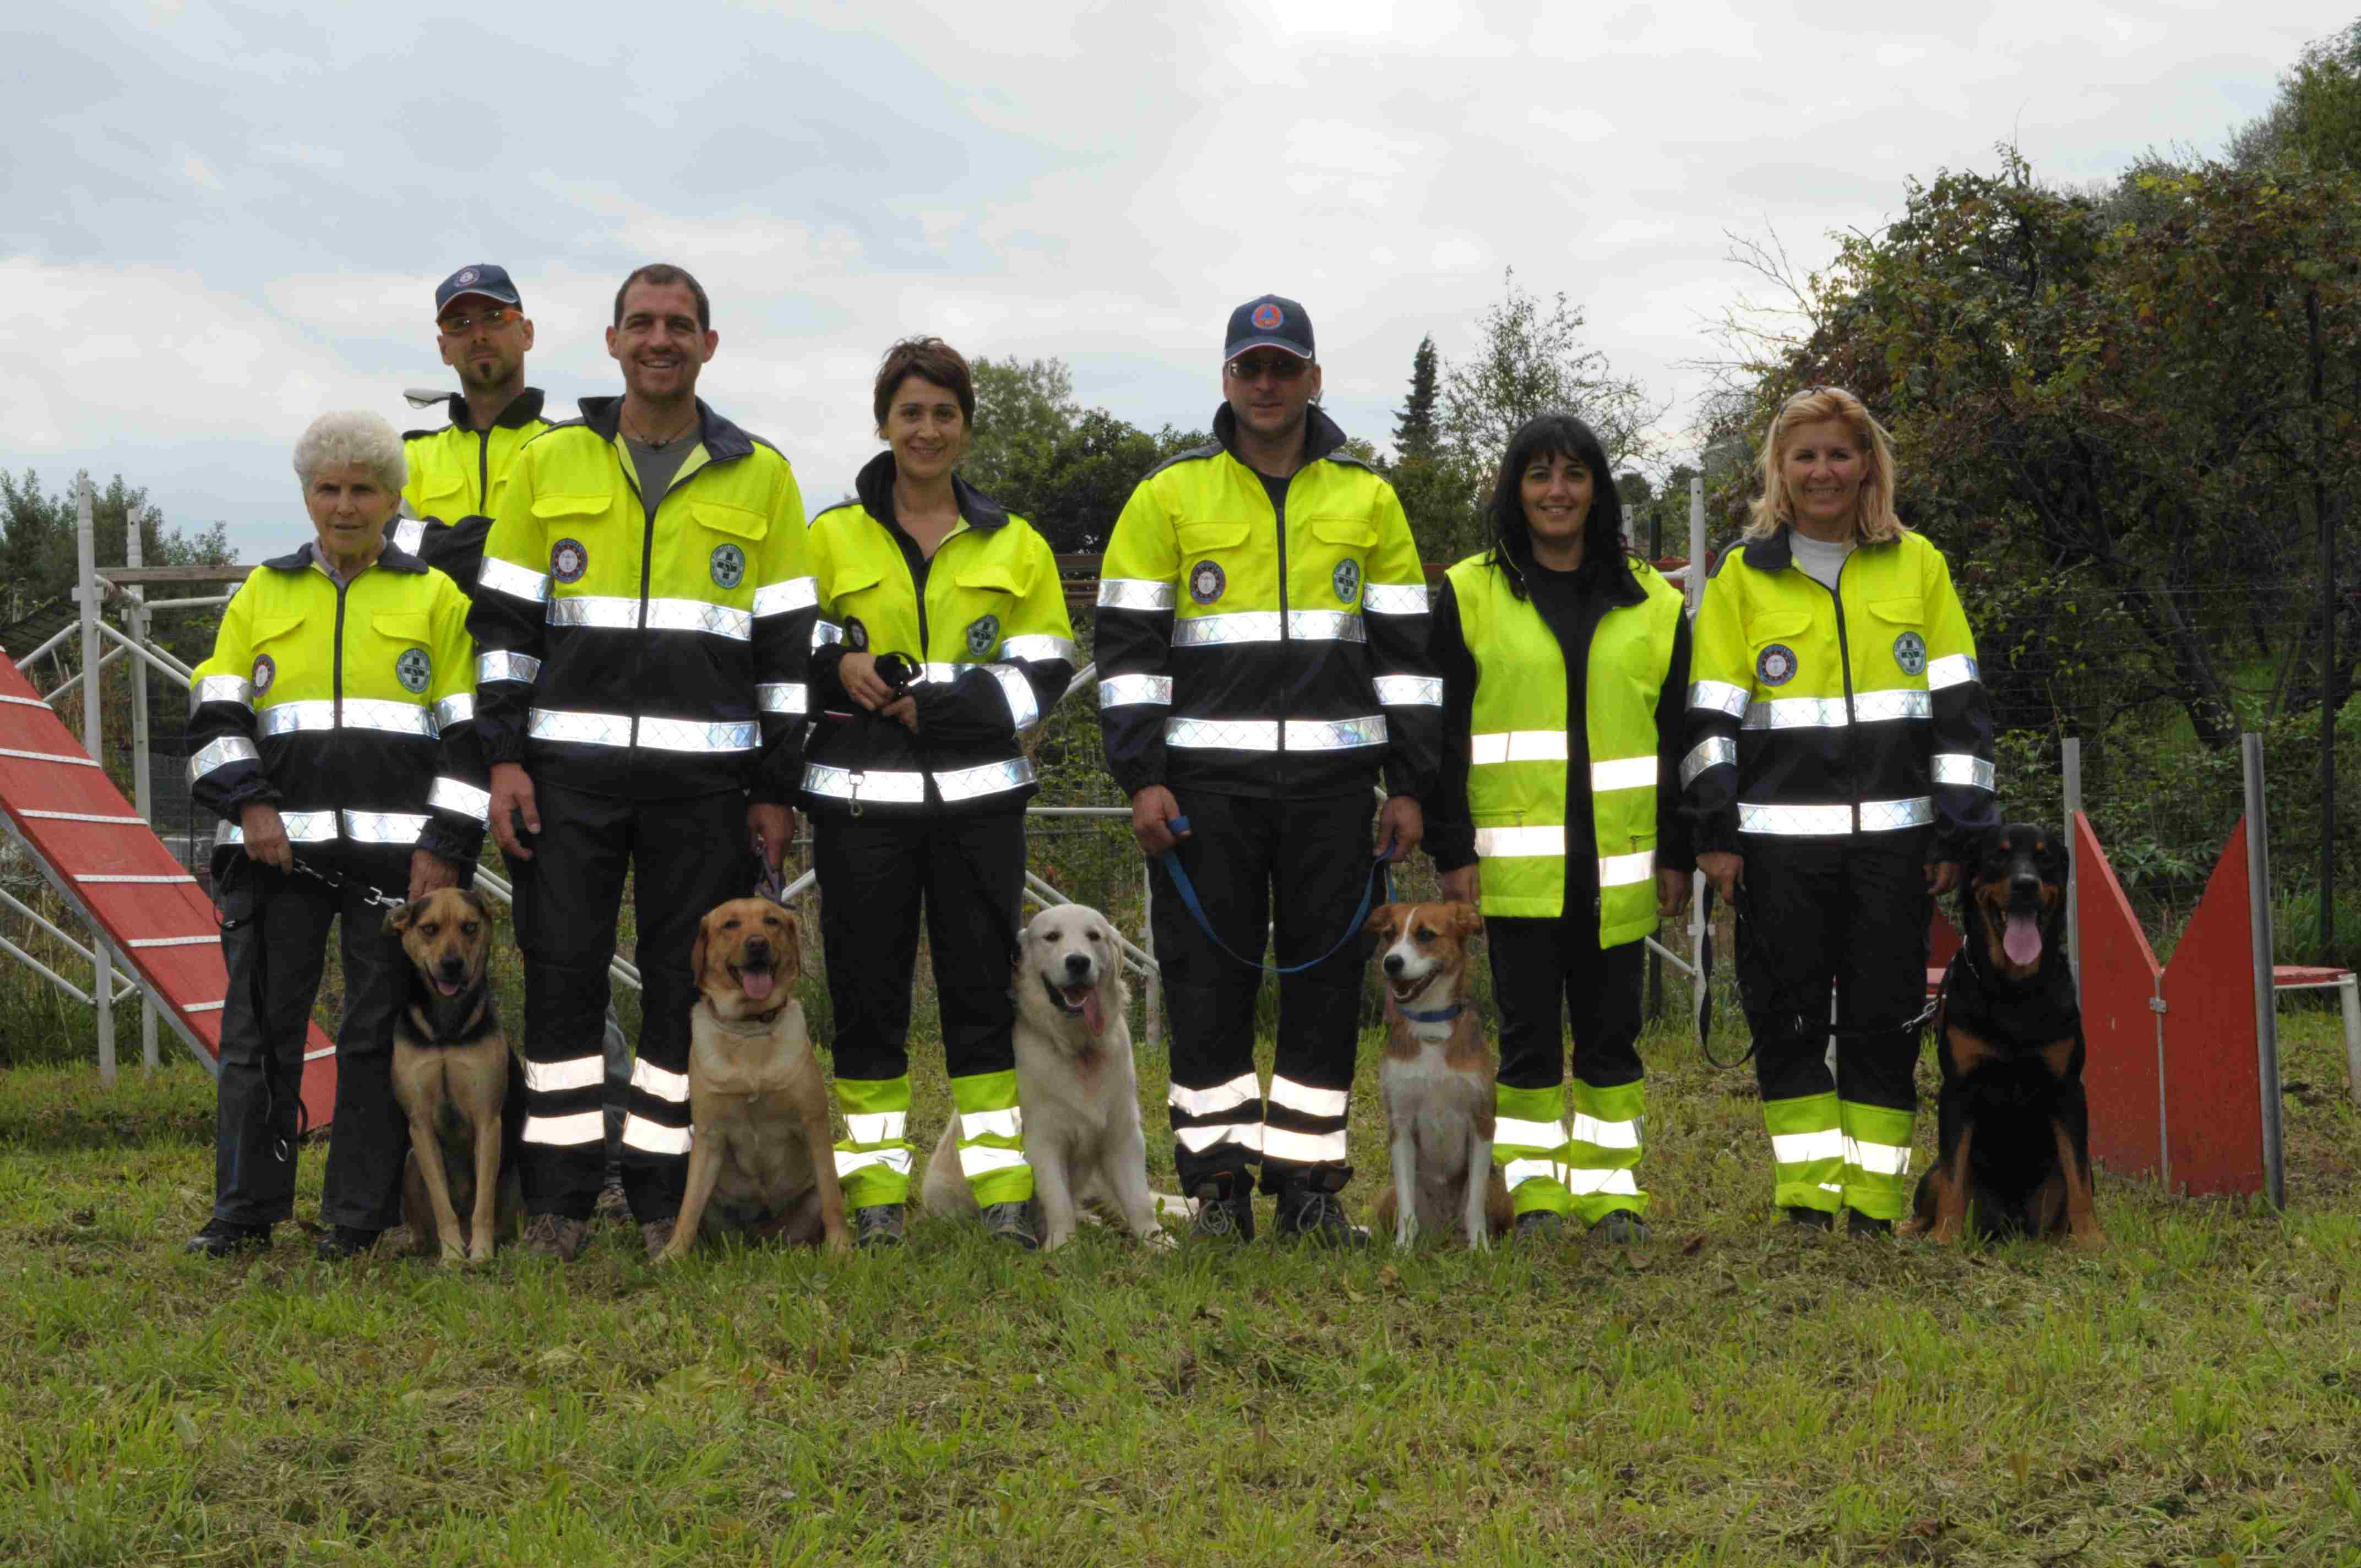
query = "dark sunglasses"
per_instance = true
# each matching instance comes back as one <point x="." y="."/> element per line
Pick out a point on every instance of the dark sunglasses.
<point x="497" y="316"/>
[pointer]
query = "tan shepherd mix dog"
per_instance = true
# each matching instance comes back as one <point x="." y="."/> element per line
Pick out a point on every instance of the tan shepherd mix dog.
<point x="1436" y="1080"/>
<point x="763" y="1159"/>
<point x="452" y="1064"/>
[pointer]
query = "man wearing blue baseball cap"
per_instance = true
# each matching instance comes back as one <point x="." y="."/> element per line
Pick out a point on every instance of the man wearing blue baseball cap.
<point x="457" y="471"/>
<point x="1262" y="666"/>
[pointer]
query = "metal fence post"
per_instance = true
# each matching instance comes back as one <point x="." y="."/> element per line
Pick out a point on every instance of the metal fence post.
<point x="135" y="618"/>
<point x="1693" y="589"/>
<point x="102" y="989"/>
<point x="2069" y="755"/>
<point x="2267" y="1022"/>
<point x="1153" y="991"/>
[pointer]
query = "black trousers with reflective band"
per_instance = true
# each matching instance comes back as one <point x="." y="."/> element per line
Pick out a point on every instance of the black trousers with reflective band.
<point x="684" y="856"/>
<point x="285" y="946"/>
<point x="1300" y="866"/>
<point x="1548" y="972"/>
<point x="875" y="875"/>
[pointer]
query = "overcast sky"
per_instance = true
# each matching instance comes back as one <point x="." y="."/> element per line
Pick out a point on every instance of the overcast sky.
<point x="224" y="220"/>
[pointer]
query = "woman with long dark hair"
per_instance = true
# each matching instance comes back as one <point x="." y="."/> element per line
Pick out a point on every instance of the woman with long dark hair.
<point x="1564" y="660"/>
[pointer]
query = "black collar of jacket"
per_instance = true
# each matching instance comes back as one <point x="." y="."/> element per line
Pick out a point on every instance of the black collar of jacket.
<point x="1776" y="554"/>
<point x="523" y="410"/>
<point x="1322" y="437"/>
<point x="874" y="486"/>
<point x="722" y="439"/>
<point x="393" y="557"/>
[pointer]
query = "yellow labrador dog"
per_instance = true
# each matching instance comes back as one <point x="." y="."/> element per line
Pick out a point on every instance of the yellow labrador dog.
<point x="452" y="1067"/>
<point x="1076" y="1091"/>
<point x="762" y="1159"/>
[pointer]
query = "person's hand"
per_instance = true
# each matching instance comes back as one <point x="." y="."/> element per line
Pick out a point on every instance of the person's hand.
<point x="1725" y="871"/>
<point x="1152" y="811"/>
<point x="1400" y="825"/>
<point x="905" y="708"/>
<point x="859" y="674"/>
<point x="429" y="870"/>
<point x="1942" y="876"/>
<point x="512" y="796"/>
<point x="770" y="828"/>
<point x="266" y="836"/>
<point x="1672" y="894"/>
<point x="1465" y="885"/>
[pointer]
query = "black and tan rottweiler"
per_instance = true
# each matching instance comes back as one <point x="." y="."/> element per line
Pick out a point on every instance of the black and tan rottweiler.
<point x="458" y="1082"/>
<point x="2014" y="1128"/>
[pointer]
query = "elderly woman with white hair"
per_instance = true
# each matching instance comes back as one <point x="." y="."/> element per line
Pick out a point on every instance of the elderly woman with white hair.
<point x="333" y="731"/>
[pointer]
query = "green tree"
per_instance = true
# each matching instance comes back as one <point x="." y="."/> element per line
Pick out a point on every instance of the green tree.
<point x="1073" y="488"/>
<point x="1022" y="407"/>
<point x="1415" y="431"/>
<point x="1533" y="360"/>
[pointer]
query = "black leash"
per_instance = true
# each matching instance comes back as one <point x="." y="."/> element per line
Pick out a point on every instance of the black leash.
<point x="1792" y="1026"/>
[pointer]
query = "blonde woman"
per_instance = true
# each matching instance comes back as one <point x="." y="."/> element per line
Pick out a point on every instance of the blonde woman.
<point x="1840" y="766"/>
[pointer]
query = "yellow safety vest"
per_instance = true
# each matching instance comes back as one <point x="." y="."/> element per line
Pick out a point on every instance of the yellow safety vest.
<point x="458" y="471"/>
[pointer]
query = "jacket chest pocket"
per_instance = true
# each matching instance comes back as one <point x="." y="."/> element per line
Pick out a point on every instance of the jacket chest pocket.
<point x="868" y="613"/>
<point x="724" y="542"/>
<point x="276" y="644"/>
<point x="584" y="546"/>
<point x="1896" y="647"/>
<point x="1216" y="564"/>
<point x="976" y="611"/>
<point x="1775" y="643"/>
<point x="1335" y="566"/>
<point x="403" y="643"/>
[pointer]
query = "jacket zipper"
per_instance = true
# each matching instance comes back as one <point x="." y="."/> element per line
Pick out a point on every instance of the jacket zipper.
<point x="483" y="470"/>
<point x="1278" y="522"/>
<point x="647" y="565"/>
<point x="1844" y="668"/>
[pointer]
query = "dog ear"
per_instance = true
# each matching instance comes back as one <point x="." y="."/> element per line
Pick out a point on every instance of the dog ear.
<point x="398" y="919"/>
<point x="477" y="901"/>
<point x="1382" y="919"/>
<point x="696" y="953"/>
<point x="1467" y="920"/>
<point x="795" y="929"/>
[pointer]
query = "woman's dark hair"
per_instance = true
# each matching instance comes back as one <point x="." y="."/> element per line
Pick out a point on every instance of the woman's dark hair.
<point x="930" y="359"/>
<point x="1554" y="435"/>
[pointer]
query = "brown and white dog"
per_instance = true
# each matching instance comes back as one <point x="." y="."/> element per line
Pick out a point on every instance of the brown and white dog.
<point x="1436" y="1080"/>
<point x="452" y="1067"/>
<point x="1077" y="1094"/>
<point x="763" y="1159"/>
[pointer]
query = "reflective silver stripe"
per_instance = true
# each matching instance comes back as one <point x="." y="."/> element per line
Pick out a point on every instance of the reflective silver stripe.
<point x="653" y="1137"/>
<point x="408" y="534"/>
<point x="221" y="753"/>
<point x="457" y="708"/>
<point x="1303" y="1098"/>
<point x="1263" y="626"/>
<point x="782" y="697"/>
<point x="616" y="614"/>
<point x="1038" y="646"/>
<point x="1622" y="772"/>
<point x="982" y="1159"/>
<point x="1516" y="746"/>
<point x="1803" y="1148"/>
<point x="993" y="778"/>
<point x="581" y="729"/>
<point x="1023" y="711"/>
<point x="1516" y="1172"/>
<point x="1007" y="1123"/>
<point x="222" y="688"/>
<point x="1884" y="816"/>
<point x="849" y="1160"/>
<point x="1605" y="1134"/>
<point x="517" y="582"/>
<point x="499" y="664"/>
<point x="564" y="1132"/>
<point x="287" y="718"/>
<point x="1518" y="1133"/>
<point x="1798" y="713"/>
<point x="1710" y="752"/>
<point x="876" y="1126"/>
<point x="697" y="735"/>
<point x="384" y="827"/>
<point x="779" y="599"/>
<point x="301" y="827"/>
<point x="1410" y="691"/>
<point x="1881" y="1159"/>
<point x="1959" y="768"/>
<point x="1137" y="593"/>
<point x="557" y="1076"/>
<point x="450" y="795"/>
<point x="1394" y="598"/>
<point x="1951" y="670"/>
<point x="942" y="674"/>
<point x="1336" y="734"/>
<point x="893" y="788"/>
<point x="1517" y="843"/>
<point x="825" y="632"/>
<point x="1626" y="870"/>
<point x="1719" y="697"/>
<point x="393" y="717"/>
<point x="1325" y="626"/>
<point x="1197" y="1140"/>
<point x="1305" y="1148"/>
<point x="1243" y="1090"/>
<point x="663" y="1082"/>
<point x="1582" y="1183"/>
<point x="1222" y="734"/>
<point x="1115" y="691"/>
<point x="1874" y="708"/>
<point x="1794" y="821"/>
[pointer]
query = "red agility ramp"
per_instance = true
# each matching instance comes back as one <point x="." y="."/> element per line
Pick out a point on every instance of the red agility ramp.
<point x="112" y="869"/>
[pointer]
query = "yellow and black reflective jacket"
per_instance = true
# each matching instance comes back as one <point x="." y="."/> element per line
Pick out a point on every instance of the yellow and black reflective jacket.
<point x="350" y="707"/>
<point x="984" y="622"/>
<point x="1825" y="713"/>
<point x="1242" y="653"/>
<point x="646" y="647"/>
<point x="458" y="471"/>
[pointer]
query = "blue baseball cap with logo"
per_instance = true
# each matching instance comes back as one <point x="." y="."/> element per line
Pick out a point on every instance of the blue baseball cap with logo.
<point x="484" y="279"/>
<point x="1270" y="322"/>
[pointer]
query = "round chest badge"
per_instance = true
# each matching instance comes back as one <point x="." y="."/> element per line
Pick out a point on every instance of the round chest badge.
<point x="856" y="636"/>
<point x="568" y="560"/>
<point x="981" y="633"/>
<point x="1206" y="582"/>
<point x="1346" y="579"/>
<point x="1910" y="652"/>
<point x="1268" y="316"/>
<point x="413" y="670"/>
<point x="728" y="565"/>
<point x="1776" y="665"/>
<point x="265" y="672"/>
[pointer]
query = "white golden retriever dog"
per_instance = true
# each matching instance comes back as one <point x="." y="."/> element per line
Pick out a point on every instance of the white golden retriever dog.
<point x="1075" y="1086"/>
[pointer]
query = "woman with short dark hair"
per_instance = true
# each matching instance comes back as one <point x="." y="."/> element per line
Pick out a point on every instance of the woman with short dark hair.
<point x="943" y="638"/>
<point x="1564" y="660"/>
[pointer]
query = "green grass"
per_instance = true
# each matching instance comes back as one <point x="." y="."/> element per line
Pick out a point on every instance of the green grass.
<point x="1737" y="1393"/>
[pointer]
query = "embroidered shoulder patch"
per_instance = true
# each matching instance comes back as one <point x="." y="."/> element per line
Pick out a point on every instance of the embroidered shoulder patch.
<point x="1910" y="652"/>
<point x="568" y="560"/>
<point x="1206" y="582"/>
<point x="413" y="670"/>
<point x="1776" y="665"/>
<point x="1346" y="579"/>
<point x="983" y="632"/>
<point x="728" y="565"/>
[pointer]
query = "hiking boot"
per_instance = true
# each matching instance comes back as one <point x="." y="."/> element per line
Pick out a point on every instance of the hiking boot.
<point x="1811" y="1219"/>
<point x="344" y="1242"/>
<point x="1225" y="1211"/>
<point x="879" y="1224"/>
<point x="655" y="1235"/>
<point x="1540" y="1225"/>
<point x="1621" y="1225"/>
<point x="1311" y="1211"/>
<point x="1859" y="1225"/>
<point x="226" y="1238"/>
<point x="612" y="1206"/>
<point x="1011" y="1223"/>
<point x="554" y="1235"/>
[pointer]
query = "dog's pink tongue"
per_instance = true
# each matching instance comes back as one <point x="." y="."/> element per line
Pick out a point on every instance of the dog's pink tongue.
<point x="2022" y="940"/>
<point x="1093" y="1014"/>
<point x="756" y="983"/>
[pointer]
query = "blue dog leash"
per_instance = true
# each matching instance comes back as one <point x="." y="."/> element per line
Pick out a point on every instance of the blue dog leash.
<point x="1171" y="859"/>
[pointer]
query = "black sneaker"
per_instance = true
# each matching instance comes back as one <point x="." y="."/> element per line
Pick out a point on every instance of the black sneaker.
<point x="1311" y="1211"/>
<point x="1859" y="1225"/>
<point x="1811" y="1219"/>
<point x="1621" y="1225"/>
<point x="1011" y="1223"/>
<point x="226" y="1238"/>
<point x="1540" y="1225"/>
<point x="1225" y="1211"/>
<point x="879" y="1224"/>
<point x="344" y="1242"/>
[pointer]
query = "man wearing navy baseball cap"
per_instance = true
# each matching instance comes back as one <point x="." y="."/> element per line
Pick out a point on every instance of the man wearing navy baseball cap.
<point x="457" y="471"/>
<point x="1262" y="663"/>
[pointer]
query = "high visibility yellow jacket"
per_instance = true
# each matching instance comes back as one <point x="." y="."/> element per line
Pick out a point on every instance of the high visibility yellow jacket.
<point x="984" y="621"/>
<point x="1249" y="653"/>
<point x="1821" y="714"/>
<point x="1531" y="778"/>
<point x="457" y="471"/>
<point x="349" y="708"/>
<point x="649" y="647"/>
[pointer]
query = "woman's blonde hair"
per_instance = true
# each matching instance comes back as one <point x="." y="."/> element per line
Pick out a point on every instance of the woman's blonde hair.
<point x="1873" y="521"/>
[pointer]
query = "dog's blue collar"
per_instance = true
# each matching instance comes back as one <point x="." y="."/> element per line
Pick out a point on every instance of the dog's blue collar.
<point x="1441" y="1015"/>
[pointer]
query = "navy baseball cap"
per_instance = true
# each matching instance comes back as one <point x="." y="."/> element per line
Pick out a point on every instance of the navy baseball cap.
<point x="1270" y="322"/>
<point x="490" y="281"/>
